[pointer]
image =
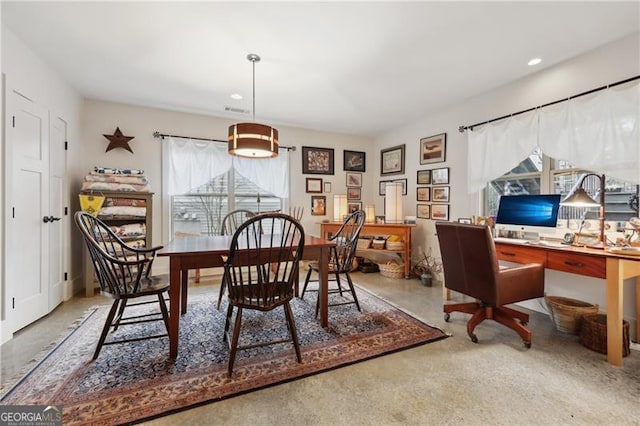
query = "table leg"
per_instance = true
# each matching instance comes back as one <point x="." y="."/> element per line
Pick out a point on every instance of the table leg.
<point x="174" y="305"/>
<point x="615" y="287"/>
<point x="184" y="288"/>
<point x="324" y="286"/>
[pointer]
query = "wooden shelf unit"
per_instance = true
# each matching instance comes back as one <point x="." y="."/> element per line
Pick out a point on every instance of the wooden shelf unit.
<point x="88" y="273"/>
<point x="378" y="229"/>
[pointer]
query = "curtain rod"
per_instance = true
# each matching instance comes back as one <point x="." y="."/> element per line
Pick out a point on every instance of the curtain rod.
<point x="461" y="129"/>
<point x="157" y="134"/>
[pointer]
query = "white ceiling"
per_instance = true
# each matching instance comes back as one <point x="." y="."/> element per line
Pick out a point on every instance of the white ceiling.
<point x="356" y="67"/>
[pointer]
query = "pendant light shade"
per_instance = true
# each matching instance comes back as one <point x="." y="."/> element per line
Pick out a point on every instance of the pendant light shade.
<point x="253" y="140"/>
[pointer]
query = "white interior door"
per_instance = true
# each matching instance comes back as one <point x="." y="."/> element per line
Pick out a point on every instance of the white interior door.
<point x="57" y="228"/>
<point x="27" y="202"/>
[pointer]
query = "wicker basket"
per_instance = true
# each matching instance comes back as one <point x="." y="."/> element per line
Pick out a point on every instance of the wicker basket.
<point x="364" y="243"/>
<point x="593" y="334"/>
<point x="378" y="244"/>
<point x="567" y="313"/>
<point x="391" y="270"/>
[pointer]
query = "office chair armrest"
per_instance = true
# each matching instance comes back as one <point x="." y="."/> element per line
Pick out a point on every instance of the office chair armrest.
<point x="520" y="283"/>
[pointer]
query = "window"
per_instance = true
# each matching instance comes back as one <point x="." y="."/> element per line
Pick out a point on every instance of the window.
<point x="202" y="210"/>
<point x="539" y="174"/>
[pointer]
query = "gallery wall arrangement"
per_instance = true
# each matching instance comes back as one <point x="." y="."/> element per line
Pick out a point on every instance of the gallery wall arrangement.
<point x="433" y="190"/>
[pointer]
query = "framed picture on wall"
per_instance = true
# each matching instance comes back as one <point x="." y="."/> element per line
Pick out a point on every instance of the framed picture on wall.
<point x="352" y="206"/>
<point x="327" y="187"/>
<point x="424" y="177"/>
<point x="433" y="149"/>
<point x="423" y="211"/>
<point x="318" y="205"/>
<point x="440" y="176"/>
<point x="440" y="194"/>
<point x="440" y="211"/>
<point x="317" y="160"/>
<point x="355" y="161"/>
<point x="392" y="160"/>
<point x="354" y="179"/>
<point x="423" y="193"/>
<point x="314" y="185"/>
<point x="353" y="194"/>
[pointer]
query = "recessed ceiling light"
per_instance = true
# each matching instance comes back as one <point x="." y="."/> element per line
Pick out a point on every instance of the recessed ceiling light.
<point x="236" y="96"/>
<point x="534" y="61"/>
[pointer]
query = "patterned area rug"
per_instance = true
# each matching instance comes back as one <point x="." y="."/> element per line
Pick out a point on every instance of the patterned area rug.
<point x="136" y="381"/>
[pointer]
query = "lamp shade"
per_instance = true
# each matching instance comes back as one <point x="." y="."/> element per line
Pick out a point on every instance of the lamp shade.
<point x="579" y="198"/>
<point x="253" y="140"/>
<point x="370" y="212"/>
<point x="339" y="207"/>
<point x="393" y="203"/>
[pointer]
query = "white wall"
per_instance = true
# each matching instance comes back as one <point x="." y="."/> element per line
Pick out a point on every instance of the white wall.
<point x="614" y="62"/>
<point x="103" y="118"/>
<point x="23" y="70"/>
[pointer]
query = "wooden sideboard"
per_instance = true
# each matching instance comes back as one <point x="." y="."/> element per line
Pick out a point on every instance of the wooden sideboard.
<point x="598" y="263"/>
<point x="378" y="229"/>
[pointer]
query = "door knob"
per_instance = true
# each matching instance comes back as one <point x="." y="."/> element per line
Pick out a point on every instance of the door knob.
<point x="47" y="219"/>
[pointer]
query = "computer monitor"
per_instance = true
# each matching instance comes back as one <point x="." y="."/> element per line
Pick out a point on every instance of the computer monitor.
<point x="528" y="214"/>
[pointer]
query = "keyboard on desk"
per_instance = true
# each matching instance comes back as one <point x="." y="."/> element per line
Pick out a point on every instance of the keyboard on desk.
<point x="510" y="240"/>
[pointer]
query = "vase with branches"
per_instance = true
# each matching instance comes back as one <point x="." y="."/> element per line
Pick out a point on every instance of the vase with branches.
<point x="426" y="266"/>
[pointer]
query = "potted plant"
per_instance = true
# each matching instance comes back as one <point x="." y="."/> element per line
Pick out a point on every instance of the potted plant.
<point x="426" y="267"/>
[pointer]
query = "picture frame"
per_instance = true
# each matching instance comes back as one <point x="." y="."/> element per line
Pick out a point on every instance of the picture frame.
<point x="440" y="176"/>
<point x="423" y="211"/>
<point x="423" y="177"/>
<point x="352" y="206"/>
<point x="440" y="194"/>
<point x="327" y="187"/>
<point x="433" y="149"/>
<point x="440" y="211"/>
<point x="354" y="161"/>
<point x="392" y="160"/>
<point x="423" y="193"/>
<point x="380" y="220"/>
<point x="354" y="179"/>
<point x="318" y="205"/>
<point x="317" y="160"/>
<point x="354" y="193"/>
<point x="464" y="220"/>
<point x="314" y="186"/>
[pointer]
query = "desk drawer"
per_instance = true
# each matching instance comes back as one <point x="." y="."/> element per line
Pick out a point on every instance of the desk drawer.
<point x="592" y="266"/>
<point x="521" y="254"/>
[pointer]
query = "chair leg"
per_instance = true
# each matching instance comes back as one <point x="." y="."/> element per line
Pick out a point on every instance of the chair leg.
<point x="116" y="323"/>
<point x="480" y="315"/>
<point x="197" y="280"/>
<point x="164" y="311"/>
<point x="353" y="291"/>
<point x="234" y="341"/>
<point x="184" y="288"/>
<point x="223" y="285"/>
<point x="504" y="317"/>
<point x="292" y="329"/>
<point x="339" y="283"/>
<point x="105" y="329"/>
<point x="520" y="316"/>
<point x="306" y="283"/>
<point x="227" y="322"/>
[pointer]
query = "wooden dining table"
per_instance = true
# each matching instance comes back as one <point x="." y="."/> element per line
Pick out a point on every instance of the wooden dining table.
<point x="204" y="251"/>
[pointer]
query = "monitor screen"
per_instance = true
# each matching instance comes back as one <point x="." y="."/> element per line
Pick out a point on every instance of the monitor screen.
<point x="529" y="210"/>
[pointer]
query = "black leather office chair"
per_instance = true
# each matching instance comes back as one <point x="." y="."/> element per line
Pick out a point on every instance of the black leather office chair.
<point x="471" y="268"/>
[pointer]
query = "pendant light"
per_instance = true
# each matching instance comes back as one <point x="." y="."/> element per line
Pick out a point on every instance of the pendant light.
<point x="253" y="140"/>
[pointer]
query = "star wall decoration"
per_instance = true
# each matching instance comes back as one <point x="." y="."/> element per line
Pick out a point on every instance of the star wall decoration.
<point x="118" y="140"/>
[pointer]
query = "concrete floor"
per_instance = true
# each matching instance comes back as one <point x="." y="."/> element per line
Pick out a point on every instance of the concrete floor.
<point x="454" y="381"/>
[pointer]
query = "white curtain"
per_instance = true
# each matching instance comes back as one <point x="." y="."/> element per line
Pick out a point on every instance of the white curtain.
<point x="498" y="147"/>
<point x="598" y="133"/>
<point x="193" y="163"/>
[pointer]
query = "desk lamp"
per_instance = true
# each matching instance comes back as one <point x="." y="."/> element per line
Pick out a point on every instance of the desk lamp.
<point x="578" y="197"/>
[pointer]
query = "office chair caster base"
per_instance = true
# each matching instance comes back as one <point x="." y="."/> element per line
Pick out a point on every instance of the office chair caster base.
<point x="527" y="344"/>
<point x="447" y="317"/>
<point x="473" y="337"/>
